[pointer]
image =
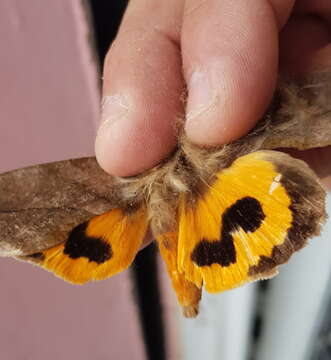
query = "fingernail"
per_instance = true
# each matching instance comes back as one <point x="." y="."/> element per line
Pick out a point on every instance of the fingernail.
<point x="113" y="108"/>
<point x="201" y="95"/>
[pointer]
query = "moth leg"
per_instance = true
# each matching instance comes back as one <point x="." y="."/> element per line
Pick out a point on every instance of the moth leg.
<point x="188" y="294"/>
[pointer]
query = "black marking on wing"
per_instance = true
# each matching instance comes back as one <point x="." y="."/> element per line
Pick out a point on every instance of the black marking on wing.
<point x="246" y="214"/>
<point x="308" y="212"/>
<point x="80" y="245"/>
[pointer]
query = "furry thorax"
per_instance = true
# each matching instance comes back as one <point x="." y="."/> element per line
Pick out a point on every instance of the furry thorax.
<point x="298" y="117"/>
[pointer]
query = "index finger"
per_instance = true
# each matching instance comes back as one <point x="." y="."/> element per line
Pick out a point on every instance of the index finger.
<point x="142" y="89"/>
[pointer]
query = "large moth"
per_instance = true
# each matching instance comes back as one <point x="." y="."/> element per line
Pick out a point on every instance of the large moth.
<point x="222" y="217"/>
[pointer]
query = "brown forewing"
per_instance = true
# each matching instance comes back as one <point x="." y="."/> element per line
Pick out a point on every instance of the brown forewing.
<point x="40" y="204"/>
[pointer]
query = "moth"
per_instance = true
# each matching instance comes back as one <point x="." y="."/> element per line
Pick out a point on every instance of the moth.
<point x="221" y="217"/>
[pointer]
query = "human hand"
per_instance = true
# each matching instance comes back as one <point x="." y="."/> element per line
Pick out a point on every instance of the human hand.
<point x="227" y="52"/>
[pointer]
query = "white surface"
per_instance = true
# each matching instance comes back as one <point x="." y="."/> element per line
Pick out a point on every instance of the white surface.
<point x="295" y="302"/>
<point x="222" y="330"/>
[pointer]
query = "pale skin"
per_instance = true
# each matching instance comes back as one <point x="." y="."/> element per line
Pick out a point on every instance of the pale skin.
<point x="226" y="53"/>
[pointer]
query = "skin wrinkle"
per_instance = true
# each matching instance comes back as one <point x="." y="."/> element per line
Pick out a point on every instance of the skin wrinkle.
<point x="191" y="10"/>
<point x="223" y="101"/>
<point x="108" y="119"/>
<point x="283" y="12"/>
<point x="167" y="36"/>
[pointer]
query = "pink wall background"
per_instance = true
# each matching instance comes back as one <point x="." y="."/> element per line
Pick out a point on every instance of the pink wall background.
<point x="49" y="108"/>
<point x="49" y="89"/>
